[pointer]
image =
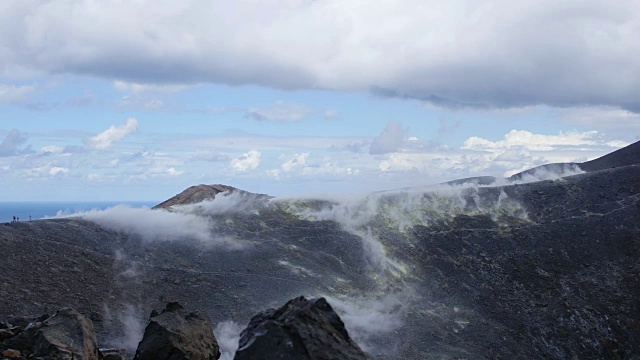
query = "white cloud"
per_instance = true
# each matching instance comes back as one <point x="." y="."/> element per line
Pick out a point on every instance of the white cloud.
<point x="173" y="172"/>
<point x="529" y="140"/>
<point x="56" y="170"/>
<point x="279" y="111"/>
<point x="42" y="170"/>
<point x="247" y="161"/>
<point x="433" y="164"/>
<point x="493" y="54"/>
<point x="390" y="140"/>
<point x="618" y="144"/>
<point x="105" y="139"/>
<point x="52" y="149"/>
<point x="298" y="160"/>
<point x="11" y="94"/>
<point x="299" y="166"/>
<point x="518" y="151"/>
<point x="329" y="169"/>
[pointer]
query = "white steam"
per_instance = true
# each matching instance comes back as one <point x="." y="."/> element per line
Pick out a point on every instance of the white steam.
<point x="372" y="320"/>
<point x="132" y="327"/>
<point x="547" y="172"/>
<point x="228" y="336"/>
<point x="368" y="216"/>
<point x="151" y="224"/>
<point x="225" y="203"/>
<point x="131" y="322"/>
<point x="160" y="225"/>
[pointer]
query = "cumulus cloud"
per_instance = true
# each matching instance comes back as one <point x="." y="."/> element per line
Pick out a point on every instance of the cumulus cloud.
<point x="247" y="161"/>
<point x="173" y="172"/>
<point x="390" y="139"/>
<point x="279" y="111"/>
<point x="51" y="149"/>
<point x="404" y="162"/>
<point x="486" y="54"/>
<point x="105" y="139"/>
<point x="295" y="161"/>
<point x="299" y="165"/>
<point x="529" y="140"/>
<point x="11" y="144"/>
<point x="42" y="170"/>
<point x="501" y="158"/>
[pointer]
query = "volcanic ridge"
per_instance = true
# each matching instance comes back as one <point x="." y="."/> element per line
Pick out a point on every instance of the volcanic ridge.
<point x="542" y="265"/>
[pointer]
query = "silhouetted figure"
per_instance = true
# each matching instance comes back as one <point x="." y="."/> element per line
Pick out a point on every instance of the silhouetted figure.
<point x="14" y="219"/>
<point x="17" y="218"/>
<point x="29" y="217"/>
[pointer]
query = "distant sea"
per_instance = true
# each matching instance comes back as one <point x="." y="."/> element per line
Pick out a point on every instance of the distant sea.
<point x="40" y="210"/>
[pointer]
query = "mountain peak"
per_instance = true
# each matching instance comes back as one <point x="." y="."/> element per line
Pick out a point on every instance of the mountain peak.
<point x="197" y="193"/>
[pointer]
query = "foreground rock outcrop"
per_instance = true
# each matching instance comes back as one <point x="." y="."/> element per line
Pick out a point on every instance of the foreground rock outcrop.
<point x="301" y="329"/>
<point x="67" y="334"/>
<point x="174" y="334"/>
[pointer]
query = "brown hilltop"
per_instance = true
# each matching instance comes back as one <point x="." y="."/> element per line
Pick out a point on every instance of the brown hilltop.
<point x="196" y="194"/>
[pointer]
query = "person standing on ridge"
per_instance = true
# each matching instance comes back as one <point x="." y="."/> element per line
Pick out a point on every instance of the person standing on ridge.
<point x="14" y="219"/>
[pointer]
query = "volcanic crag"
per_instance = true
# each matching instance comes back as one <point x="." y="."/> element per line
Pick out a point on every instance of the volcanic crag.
<point x="542" y="269"/>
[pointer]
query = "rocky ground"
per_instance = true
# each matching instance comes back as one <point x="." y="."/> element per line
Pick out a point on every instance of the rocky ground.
<point x="539" y="270"/>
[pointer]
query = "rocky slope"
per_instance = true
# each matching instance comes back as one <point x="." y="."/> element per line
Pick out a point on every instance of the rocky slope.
<point x="547" y="269"/>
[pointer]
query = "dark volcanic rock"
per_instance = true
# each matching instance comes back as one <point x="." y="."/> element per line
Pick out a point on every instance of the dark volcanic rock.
<point x="301" y="329"/>
<point x="114" y="354"/>
<point x="628" y="155"/>
<point x="65" y="335"/>
<point x="174" y="334"/>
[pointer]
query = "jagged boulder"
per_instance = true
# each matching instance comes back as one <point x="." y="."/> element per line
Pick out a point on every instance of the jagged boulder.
<point x="67" y="334"/>
<point x="174" y="334"/>
<point x="301" y="329"/>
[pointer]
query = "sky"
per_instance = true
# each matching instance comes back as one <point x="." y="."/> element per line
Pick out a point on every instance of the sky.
<point x="137" y="100"/>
